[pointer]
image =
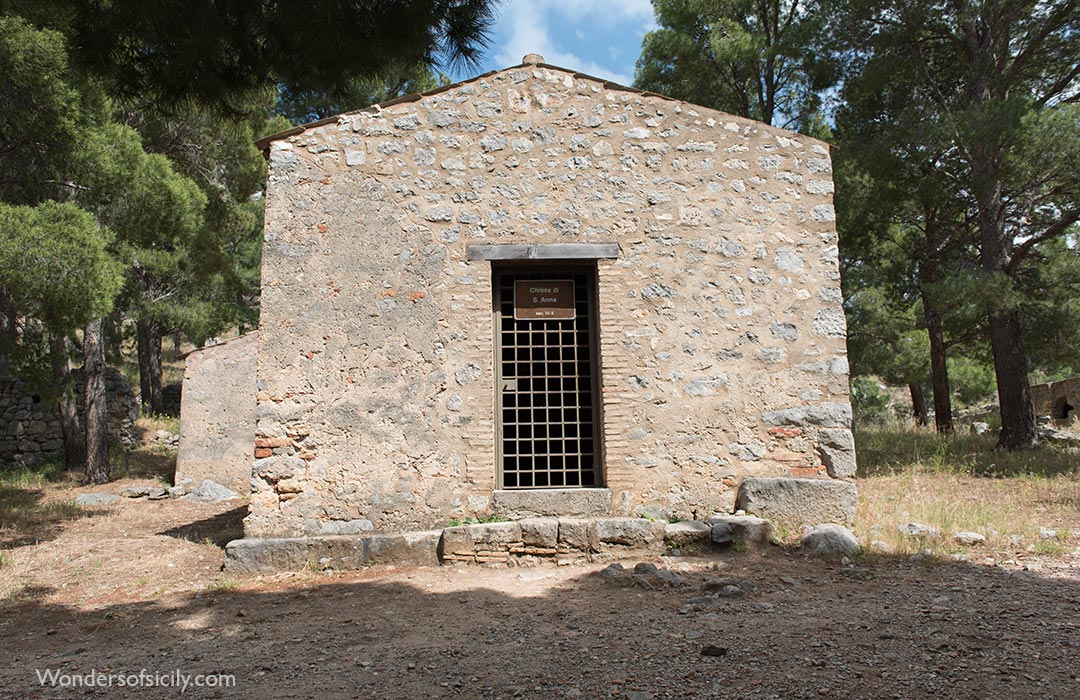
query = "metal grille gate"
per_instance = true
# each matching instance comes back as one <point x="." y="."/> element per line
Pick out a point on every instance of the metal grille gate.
<point x="547" y="386"/>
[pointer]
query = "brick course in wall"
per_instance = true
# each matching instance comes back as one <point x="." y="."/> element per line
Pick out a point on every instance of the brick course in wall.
<point x="721" y="332"/>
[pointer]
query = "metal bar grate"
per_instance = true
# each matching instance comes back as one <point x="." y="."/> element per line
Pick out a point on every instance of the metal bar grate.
<point x="547" y="389"/>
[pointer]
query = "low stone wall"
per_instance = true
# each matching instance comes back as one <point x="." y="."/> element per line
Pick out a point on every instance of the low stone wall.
<point x="30" y="427"/>
<point x="1059" y="400"/>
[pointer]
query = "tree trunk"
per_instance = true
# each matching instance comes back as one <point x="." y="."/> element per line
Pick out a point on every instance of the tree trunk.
<point x="71" y="430"/>
<point x="939" y="371"/>
<point x="1018" y="428"/>
<point x="149" y="349"/>
<point x="918" y="403"/>
<point x="94" y="406"/>
<point x="7" y="333"/>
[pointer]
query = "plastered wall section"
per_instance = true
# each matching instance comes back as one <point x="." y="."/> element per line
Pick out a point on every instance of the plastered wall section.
<point x="217" y="414"/>
<point x="721" y="329"/>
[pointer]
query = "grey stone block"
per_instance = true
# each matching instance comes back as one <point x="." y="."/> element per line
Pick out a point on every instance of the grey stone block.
<point x="831" y="540"/>
<point x="688" y="532"/>
<point x="577" y="534"/>
<point x="540" y="532"/>
<point x="552" y="502"/>
<point x="837" y="449"/>
<point x="797" y="501"/>
<point x="488" y="535"/>
<point x="837" y="415"/>
<point x="265" y="556"/>
<point x="456" y="540"/>
<point x="341" y="552"/>
<point x="406" y="548"/>
<point x="211" y="492"/>
<point x="629" y="532"/>
<point x="741" y="531"/>
<point x="95" y="499"/>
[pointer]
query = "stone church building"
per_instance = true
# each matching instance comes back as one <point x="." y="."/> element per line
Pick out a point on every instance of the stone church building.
<point x="538" y="293"/>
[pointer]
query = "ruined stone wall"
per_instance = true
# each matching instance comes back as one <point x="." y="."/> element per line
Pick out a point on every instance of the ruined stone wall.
<point x="217" y="414"/>
<point x="721" y="329"/>
<point x="30" y="427"/>
<point x="1059" y="400"/>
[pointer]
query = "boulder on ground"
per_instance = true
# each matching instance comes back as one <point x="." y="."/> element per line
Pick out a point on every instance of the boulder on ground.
<point x="211" y="492"/>
<point x="830" y="540"/>
<point x="797" y="501"/>
<point x="741" y="530"/>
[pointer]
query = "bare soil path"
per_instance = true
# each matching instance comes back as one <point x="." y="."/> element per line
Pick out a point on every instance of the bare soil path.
<point x="136" y="585"/>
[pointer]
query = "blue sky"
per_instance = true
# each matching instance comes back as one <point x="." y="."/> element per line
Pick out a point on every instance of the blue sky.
<point x="599" y="37"/>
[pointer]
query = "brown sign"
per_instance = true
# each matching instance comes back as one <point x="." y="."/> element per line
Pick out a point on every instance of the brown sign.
<point x="543" y="299"/>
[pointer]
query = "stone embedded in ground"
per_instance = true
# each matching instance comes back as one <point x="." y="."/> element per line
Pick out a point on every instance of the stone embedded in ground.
<point x="260" y="556"/>
<point x="687" y="533"/>
<point x="740" y="531"/>
<point x="157" y="494"/>
<point x="980" y="428"/>
<point x="718" y="584"/>
<point x="211" y="492"/>
<point x="731" y="592"/>
<point x="612" y="571"/>
<point x="1046" y="533"/>
<point x="95" y="499"/>
<point x="629" y="532"/>
<point x="919" y="530"/>
<point x="837" y="449"/>
<point x="969" y="538"/>
<point x="136" y="492"/>
<point x="406" y="548"/>
<point x="797" y="501"/>
<point x="830" y="540"/>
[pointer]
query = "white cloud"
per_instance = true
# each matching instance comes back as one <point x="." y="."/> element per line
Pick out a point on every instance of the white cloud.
<point x="526" y="26"/>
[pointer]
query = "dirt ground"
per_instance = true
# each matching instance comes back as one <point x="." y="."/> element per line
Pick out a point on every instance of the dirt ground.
<point x="136" y="586"/>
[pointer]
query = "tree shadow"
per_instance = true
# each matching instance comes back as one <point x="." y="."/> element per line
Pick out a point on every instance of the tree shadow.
<point x="807" y="629"/>
<point x="26" y="517"/>
<point x="219" y="529"/>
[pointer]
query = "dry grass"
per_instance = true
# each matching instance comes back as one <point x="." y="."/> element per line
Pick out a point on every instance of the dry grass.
<point x="960" y="484"/>
<point x="26" y="515"/>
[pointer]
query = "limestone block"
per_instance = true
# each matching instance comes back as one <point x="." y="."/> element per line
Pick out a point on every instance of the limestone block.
<point x="540" y="532"/>
<point x="687" y="532"/>
<point x="629" y="532"/>
<point x="405" y="548"/>
<point x="837" y="449"/>
<point x="741" y="531"/>
<point x="798" y="501"/>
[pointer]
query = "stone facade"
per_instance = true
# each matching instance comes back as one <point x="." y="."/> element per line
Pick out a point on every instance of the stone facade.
<point x="1059" y="400"/>
<point x="30" y="427"/>
<point x="217" y="414"/>
<point x="720" y="329"/>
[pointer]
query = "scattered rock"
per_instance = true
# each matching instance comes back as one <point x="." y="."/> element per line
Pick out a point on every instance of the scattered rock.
<point x="831" y="540"/>
<point x="645" y="569"/>
<point x="713" y="650"/>
<point x="157" y="494"/>
<point x="1046" y="533"/>
<point x="136" y="492"/>
<point x="1055" y="435"/>
<point x="95" y="499"/>
<point x="969" y="538"/>
<point x="741" y="531"/>
<point x="719" y="584"/>
<point x="919" y="530"/>
<point x="731" y="592"/>
<point x="211" y="492"/>
<point x="980" y="428"/>
<point x="687" y="533"/>
<point x="613" y="571"/>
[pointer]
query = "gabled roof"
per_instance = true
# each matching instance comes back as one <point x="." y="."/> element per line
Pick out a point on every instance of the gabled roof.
<point x="529" y="60"/>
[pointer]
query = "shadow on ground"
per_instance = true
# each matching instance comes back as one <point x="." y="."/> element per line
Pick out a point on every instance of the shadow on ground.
<point x="219" y="529"/>
<point x="27" y="517"/>
<point x="887" y="628"/>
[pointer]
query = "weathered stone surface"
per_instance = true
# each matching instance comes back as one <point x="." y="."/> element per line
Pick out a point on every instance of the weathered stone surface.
<point x="831" y="540"/>
<point x="629" y="532"/>
<point x="407" y="548"/>
<point x="919" y="530"/>
<point x="798" y="501"/>
<point x="540" y="532"/>
<point x="577" y="534"/>
<point x="837" y="449"/>
<point x="263" y="556"/>
<point x="969" y="538"/>
<point x="741" y="531"/>
<point x="95" y="499"/>
<point x="826" y="414"/>
<point x="210" y="492"/>
<point x="687" y="533"/>
<point x="553" y="502"/>
<point x="217" y="414"/>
